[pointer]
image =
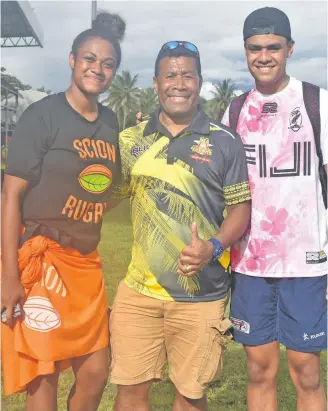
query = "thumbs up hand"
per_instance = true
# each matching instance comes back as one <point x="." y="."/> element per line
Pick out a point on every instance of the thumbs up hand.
<point x="196" y="255"/>
<point x="194" y="235"/>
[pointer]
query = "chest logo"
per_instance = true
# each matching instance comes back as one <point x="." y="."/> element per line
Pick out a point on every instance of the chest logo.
<point x="95" y="179"/>
<point x="202" y="150"/>
<point x="295" y="119"/>
<point x="270" y="108"/>
<point x="137" y="150"/>
<point x="202" y="147"/>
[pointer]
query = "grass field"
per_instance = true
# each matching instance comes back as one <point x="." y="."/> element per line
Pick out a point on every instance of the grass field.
<point x="226" y="394"/>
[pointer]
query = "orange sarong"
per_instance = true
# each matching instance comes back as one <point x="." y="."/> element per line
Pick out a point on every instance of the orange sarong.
<point x="65" y="312"/>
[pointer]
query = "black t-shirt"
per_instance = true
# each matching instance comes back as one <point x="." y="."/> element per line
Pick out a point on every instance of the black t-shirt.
<point x="72" y="166"/>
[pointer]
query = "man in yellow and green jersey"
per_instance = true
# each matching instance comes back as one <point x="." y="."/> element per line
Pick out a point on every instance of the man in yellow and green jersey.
<point x="182" y="172"/>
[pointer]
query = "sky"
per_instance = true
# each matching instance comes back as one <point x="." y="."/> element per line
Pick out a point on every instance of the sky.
<point x="214" y="26"/>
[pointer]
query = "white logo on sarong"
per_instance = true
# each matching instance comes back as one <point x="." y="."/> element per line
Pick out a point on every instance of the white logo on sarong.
<point x="40" y="315"/>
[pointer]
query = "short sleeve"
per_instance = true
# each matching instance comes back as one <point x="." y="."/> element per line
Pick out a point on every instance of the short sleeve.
<point x="28" y="146"/>
<point x="225" y="118"/>
<point x="236" y="187"/>
<point x="324" y="124"/>
<point x="126" y="142"/>
<point x="129" y="150"/>
<point x="121" y="190"/>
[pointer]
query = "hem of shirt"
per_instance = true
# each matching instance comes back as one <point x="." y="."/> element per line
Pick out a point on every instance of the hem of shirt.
<point x="181" y="299"/>
<point x="200" y="300"/>
<point x="19" y="174"/>
<point x="283" y="275"/>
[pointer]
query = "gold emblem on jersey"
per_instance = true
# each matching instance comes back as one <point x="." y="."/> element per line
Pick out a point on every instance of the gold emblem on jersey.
<point x="202" y="147"/>
<point x="202" y="150"/>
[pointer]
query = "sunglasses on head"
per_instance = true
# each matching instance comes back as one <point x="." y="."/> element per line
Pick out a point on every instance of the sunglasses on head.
<point x="171" y="45"/>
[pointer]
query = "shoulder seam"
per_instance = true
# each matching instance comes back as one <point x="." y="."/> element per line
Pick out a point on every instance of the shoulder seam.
<point x="215" y="125"/>
<point x="129" y="129"/>
<point x="223" y="129"/>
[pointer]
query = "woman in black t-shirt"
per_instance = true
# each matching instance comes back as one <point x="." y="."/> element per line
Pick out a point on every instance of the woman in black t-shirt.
<point x="63" y="165"/>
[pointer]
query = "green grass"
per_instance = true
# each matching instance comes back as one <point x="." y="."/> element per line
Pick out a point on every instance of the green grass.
<point x="226" y="394"/>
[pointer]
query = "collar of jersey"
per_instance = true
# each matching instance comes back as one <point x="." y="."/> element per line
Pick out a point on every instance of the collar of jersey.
<point x="199" y="125"/>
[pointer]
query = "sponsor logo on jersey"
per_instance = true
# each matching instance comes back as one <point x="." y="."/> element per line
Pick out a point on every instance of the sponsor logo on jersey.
<point x="137" y="150"/>
<point x="316" y="257"/>
<point x="270" y="108"/>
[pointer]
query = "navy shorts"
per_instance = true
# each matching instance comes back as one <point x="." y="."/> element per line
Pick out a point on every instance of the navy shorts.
<point x="292" y="311"/>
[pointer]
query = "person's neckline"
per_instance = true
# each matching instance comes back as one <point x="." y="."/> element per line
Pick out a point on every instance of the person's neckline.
<point x="284" y="90"/>
<point x="80" y="115"/>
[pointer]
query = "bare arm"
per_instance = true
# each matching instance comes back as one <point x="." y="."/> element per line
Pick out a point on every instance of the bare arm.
<point x="235" y="224"/>
<point x="12" y="290"/>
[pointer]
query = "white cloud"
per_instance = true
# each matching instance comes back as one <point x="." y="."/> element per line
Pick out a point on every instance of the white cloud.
<point x="207" y="89"/>
<point x="238" y="92"/>
<point x="214" y="26"/>
<point x="308" y="69"/>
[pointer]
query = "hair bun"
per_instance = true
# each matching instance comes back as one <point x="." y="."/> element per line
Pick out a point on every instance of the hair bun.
<point x="112" y="23"/>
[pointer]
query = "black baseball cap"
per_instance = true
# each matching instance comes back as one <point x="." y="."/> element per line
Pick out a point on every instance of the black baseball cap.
<point x="267" y="20"/>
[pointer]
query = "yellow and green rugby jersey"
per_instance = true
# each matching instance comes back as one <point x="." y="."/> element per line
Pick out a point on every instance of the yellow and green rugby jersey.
<point x="174" y="182"/>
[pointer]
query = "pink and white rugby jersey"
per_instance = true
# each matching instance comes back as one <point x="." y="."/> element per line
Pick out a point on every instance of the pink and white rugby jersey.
<point x="289" y="227"/>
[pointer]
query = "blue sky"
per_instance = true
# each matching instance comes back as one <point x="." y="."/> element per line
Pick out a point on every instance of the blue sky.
<point x="214" y="26"/>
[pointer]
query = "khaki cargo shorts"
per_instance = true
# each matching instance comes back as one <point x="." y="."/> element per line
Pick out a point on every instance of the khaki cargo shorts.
<point x="144" y="332"/>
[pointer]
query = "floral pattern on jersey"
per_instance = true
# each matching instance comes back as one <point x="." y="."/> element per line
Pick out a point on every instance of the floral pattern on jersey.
<point x="252" y="120"/>
<point x="276" y="220"/>
<point x="257" y="259"/>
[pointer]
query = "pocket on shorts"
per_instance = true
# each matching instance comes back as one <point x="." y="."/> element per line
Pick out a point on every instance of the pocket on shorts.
<point x="218" y="338"/>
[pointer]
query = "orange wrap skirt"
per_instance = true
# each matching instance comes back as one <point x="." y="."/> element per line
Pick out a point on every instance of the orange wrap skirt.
<point x="65" y="312"/>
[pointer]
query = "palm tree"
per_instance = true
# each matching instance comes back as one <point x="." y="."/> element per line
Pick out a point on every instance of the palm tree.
<point x="123" y="96"/>
<point x="223" y="94"/>
<point x="202" y="102"/>
<point x="148" y="100"/>
<point x="211" y="109"/>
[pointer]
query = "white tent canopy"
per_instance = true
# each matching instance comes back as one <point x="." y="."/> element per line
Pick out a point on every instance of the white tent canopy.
<point x="26" y="98"/>
<point x="13" y="106"/>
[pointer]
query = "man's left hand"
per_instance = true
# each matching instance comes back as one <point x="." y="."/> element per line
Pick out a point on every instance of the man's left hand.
<point x="196" y="255"/>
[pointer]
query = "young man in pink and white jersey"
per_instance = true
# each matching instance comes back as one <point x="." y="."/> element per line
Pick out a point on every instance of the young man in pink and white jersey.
<point x="280" y="266"/>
